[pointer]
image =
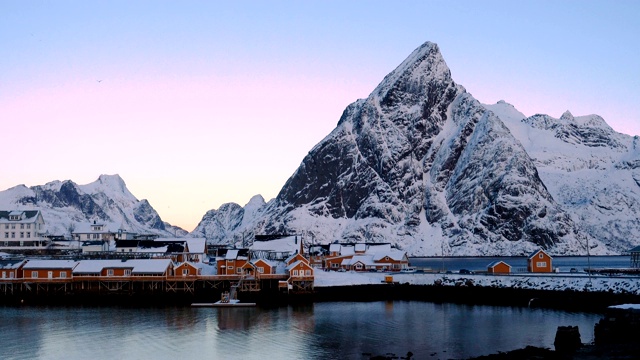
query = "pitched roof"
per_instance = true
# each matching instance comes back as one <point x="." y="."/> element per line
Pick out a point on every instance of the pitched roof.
<point x="137" y="266"/>
<point x="494" y="263"/>
<point x="50" y="264"/>
<point x="394" y="254"/>
<point x="367" y="260"/>
<point x="29" y="215"/>
<point x="11" y="264"/>
<point x="294" y="264"/>
<point x="536" y="252"/>
<point x="268" y="262"/>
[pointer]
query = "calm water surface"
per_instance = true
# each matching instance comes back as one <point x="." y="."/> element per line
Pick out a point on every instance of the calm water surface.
<point x="338" y="330"/>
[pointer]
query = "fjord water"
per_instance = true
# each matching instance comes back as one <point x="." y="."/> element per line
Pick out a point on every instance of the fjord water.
<point x="331" y="330"/>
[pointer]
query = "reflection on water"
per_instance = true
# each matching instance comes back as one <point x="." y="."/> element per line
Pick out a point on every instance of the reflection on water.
<point x="314" y="331"/>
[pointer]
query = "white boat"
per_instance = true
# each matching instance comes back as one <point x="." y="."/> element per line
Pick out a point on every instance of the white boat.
<point x="408" y="270"/>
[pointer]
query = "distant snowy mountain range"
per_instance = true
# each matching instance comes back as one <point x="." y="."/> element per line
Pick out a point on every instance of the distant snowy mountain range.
<point x="66" y="206"/>
<point x="422" y="164"/>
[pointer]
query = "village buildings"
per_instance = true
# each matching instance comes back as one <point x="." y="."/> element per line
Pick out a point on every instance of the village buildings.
<point x="22" y="230"/>
<point x="365" y="257"/>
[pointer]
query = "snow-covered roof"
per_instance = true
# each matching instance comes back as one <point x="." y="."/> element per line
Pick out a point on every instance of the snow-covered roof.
<point x="50" y="264"/>
<point x="150" y="266"/>
<point x="268" y="262"/>
<point x="197" y="245"/>
<point x="10" y="264"/>
<point x="538" y="251"/>
<point x="232" y="254"/>
<point x="375" y="248"/>
<point x="294" y="264"/>
<point x="157" y="249"/>
<point x="494" y="263"/>
<point x="86" y="228"/>
<point x="335" y="248"/>
<point x="29" y="216"/>
<point x="360" y="247"/>
<point x="285" y="244"/>
<point x="393" y="254"/>
<point x="347" y="250"/>
<point x="139" y="266"/>
<point x="367" y="260"/>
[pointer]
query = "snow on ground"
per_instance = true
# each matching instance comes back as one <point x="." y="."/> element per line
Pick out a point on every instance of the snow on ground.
<point x="575" y="282"/>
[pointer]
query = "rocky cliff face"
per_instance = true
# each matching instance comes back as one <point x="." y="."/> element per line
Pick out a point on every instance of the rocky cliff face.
<point x="422" y="164"/>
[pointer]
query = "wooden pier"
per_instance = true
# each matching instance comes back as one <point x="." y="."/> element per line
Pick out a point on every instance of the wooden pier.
<point x="138" y="284"/>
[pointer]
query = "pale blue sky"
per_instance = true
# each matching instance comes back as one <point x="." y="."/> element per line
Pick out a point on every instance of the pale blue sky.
<point x="201" y="103"/>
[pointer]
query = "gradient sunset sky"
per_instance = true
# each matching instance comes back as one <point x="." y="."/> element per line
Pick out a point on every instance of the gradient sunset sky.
<point x="199" y="103"/>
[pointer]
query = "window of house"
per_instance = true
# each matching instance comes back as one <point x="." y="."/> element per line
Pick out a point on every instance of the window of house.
<point x="307" y="272"/>
<point x="21" y="234"/>
<point x="28" y="226"/>
<point x="21" y="226"/>
<point x="109" y="272"/>
<point x="185" y="272"/>
<point x="28" y="234"/>
<point x="230" y="268"/>
<point x="63" y="274"/>
<point x="13" y="226"/>
<point x="4" y="274"/>
<point x="541" y="264"/>
<point x="540" y="256"/>
<point x="334" y="265"/>
<point x="261" y="270"/>
<point x="34" y="274"/>
<point x="13" y="235"/>
<point x="359" y="266"/>
<point x="239" y="270"/>
<point x="127" y="272"/>
<point x="6" y="226"/>
<point x="295" y="272"/>
<point x="6" y="235"/>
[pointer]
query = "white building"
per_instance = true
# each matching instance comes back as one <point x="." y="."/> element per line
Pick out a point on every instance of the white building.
<point x="22" y="230"/>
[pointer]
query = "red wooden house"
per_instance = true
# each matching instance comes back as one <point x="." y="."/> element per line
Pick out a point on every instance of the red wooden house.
<point x="539" y="262"/>
<point x="264" y="267"/>
<point x="11" y="269"/>
<point x="232" y="261"/>
<point x="187" y="269"/>
<point x="499" y="267"/>
<point x="48" y="270"/>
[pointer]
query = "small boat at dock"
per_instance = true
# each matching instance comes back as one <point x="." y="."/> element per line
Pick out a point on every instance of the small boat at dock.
<point x="227" y="299"/>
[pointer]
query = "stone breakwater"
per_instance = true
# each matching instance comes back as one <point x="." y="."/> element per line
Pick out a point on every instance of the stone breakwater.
<point x="620" y="284"/>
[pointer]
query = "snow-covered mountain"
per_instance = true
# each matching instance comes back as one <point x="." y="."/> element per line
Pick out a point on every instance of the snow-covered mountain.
<point x="422" y="164"/>
<point x="66" y="206"/>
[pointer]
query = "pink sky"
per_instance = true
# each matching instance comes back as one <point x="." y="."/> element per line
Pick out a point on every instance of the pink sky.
<point x="207" y="103"/>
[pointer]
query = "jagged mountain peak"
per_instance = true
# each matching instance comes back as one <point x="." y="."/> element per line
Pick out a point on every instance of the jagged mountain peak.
<point x="112" y="185"/>
<point x="422" y="164"/>
<point x="567" y="116"/>
<point x="421" y="76"/>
